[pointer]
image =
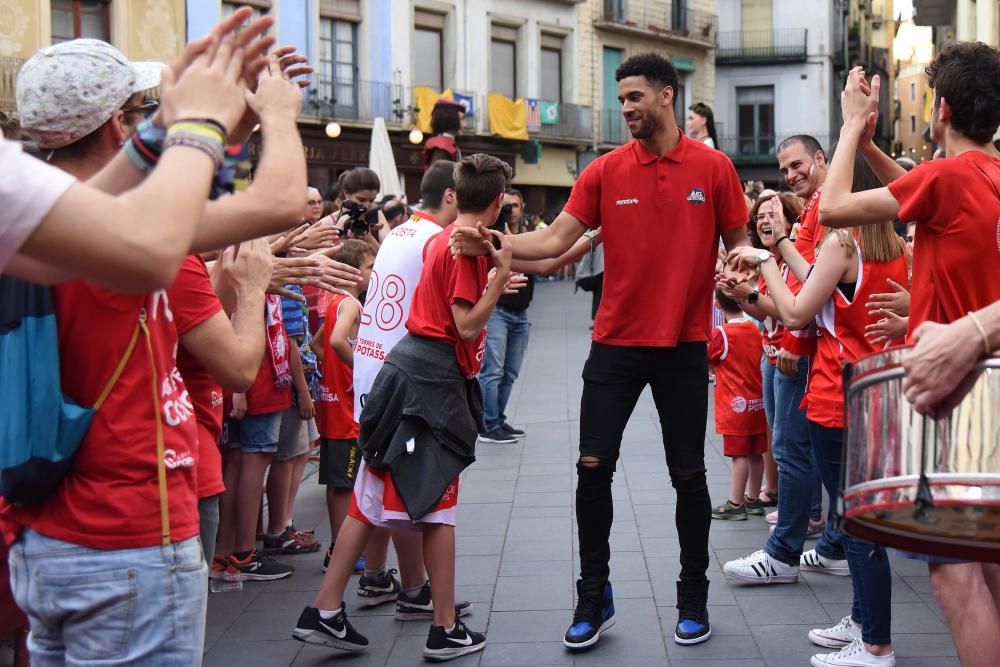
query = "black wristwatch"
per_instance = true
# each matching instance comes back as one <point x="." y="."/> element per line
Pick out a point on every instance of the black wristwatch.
<point x="753" y="296"/>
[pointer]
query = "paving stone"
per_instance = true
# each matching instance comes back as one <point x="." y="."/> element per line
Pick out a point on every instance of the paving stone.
<point x="533" y="593"/>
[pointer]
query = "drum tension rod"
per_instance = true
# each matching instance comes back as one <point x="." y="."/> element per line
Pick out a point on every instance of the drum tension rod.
<point x="924" y="500"/>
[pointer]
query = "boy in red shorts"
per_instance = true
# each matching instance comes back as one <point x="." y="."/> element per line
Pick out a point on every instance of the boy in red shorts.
<point x="420" y="423"/>
<point x="734" y="351"/>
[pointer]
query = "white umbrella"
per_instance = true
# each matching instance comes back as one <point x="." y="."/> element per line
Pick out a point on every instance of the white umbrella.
<point x="382" y="162"/>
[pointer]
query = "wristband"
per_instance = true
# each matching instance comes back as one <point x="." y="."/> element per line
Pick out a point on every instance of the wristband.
<point x="982" y="332"/>
<point x="144" y="147"/>
<point x="206" y="121"/>
<point x="781" y="238"/>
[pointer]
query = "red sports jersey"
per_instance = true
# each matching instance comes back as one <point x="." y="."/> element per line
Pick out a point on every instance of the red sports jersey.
<point x="734" y="350"/>
<point x="956" y="252"/>
<point x="272" y="389"/>
<point x="193" y="301"/>
<point x="443" y="281"/>
<point x="774" y="329"/>
<point x="842" y="339"/>
<point x="335" y="403"/>
<point x="661" y="218"/>
<point x="111" y="498"/>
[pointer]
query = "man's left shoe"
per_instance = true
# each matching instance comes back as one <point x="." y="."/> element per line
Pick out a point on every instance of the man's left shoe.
<point x="594" y="615"/>
<point x="692" y="614"/>
<point x="853" y="655"/>
<point x="510" y="430"/>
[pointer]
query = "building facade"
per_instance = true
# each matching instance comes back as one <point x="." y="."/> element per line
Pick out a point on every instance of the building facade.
<point x="777" y="73"/>
<point x="142" y="29"/>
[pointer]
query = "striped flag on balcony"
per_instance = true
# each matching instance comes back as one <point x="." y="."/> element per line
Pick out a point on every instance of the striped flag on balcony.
<point x="534" y="115"/>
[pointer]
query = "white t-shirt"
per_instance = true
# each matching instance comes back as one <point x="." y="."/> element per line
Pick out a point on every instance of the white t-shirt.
<point x="394" y="280"/>
<point x="29" y="188"/>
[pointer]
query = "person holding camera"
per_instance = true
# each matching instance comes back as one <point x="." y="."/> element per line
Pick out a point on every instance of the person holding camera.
<point x="359" y="217"/>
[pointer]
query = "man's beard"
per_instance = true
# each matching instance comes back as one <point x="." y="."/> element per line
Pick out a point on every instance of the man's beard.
<point x="647" y="128"/>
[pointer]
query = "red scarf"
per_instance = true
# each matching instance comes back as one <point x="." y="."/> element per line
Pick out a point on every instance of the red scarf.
<point x="277" y="342"/>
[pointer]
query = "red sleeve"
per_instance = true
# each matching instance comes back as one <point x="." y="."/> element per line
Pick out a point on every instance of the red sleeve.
<point x="585" y="200"/>
<point x="718" y="344"/>
<point x="800" y="343"/>
<point x="463" y="280"/>
<point x="730" y="206"/>
<point x="926" y="194"/>
<point x="805" y="242"/>
<point x="191" y="297"/>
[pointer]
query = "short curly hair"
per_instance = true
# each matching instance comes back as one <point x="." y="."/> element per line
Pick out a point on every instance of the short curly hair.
<point x="657" y="70"/>
<point x="967" y="75"/>
<point x="354" y="252"/>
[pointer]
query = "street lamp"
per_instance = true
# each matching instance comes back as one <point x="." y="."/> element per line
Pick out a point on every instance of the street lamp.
<point x="416" y="136"/>
<point x="333" y="129"/>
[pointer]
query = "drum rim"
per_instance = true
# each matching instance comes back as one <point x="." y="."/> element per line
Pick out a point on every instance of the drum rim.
<point x="934" y="478"/>
<point x="859" y="380"/>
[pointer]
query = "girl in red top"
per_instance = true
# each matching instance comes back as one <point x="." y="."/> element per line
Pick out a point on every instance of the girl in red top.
<point x="734" y="350"/>
<point x="850" y="266"/>
<point x="338" y="454"/>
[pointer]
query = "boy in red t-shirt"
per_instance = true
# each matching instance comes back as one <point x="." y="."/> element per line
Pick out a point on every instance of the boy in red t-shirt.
<point x="420" y="423"/>
<point x="338" y="454"/>
<point x="734" y="351"/>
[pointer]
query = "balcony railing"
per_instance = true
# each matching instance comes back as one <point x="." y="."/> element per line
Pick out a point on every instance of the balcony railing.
<point x="9" y="67"/>
<point x="758" y="147"/>
<point x="354" y="100"/>
<point x="754" y="47"/>
<point x="674" y="20"/>
<point x="575" y="122"/>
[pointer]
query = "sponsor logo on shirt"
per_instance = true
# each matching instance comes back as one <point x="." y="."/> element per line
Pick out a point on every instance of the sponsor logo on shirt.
<point x="696" y="197"/>
<point x="216" y="399"/>
<point x="741" y="405"/>
<point x="174" y="460"/>
<point x="627" y="202"/>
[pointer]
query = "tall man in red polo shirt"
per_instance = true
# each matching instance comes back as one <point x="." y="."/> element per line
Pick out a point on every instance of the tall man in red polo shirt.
<point x="651" y="328"/>
<point x="955" y="203"/>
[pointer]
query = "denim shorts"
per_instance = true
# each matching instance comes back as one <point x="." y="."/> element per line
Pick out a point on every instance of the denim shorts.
<point x="256" y="434"/>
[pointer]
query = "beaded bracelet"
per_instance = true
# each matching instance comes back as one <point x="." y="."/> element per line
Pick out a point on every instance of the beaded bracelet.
<point x="206" y="121"/>
<point x="209" y="144"/>
<point x="198" y="129"/>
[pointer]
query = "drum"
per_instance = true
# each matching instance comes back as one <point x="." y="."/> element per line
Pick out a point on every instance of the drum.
<point x="913" y="482"/>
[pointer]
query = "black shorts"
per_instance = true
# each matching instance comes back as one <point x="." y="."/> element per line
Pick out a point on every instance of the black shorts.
<point x="338" y="462"/>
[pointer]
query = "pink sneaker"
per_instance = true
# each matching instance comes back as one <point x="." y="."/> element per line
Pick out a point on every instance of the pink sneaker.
<point x="772" y="518"/>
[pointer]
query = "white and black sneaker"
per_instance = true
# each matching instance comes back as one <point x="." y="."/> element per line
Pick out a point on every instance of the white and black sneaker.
<point x="336" y="632"/>
<point x="443" y="645"/>
<point x="760" y="568"/>
<point x="378" y="588"/>
<point x="498" y="436"/>
<point x="420" y="607"/>
<point x="811" y="561"/>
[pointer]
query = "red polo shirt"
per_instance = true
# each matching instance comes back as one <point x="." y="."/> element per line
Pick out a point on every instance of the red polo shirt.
<point x="661" y="218"/>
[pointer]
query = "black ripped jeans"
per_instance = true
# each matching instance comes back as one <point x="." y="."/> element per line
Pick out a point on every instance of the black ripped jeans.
<point x="613" y="379"/>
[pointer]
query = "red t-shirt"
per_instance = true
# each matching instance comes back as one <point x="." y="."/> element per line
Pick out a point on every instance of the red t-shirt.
<point x="956" y="251"/>
<point x="443" y="281"/>
<point x="111" y="498"/>
<point x="661" y="219"/>
<point x="734" y="350"/>
<point x="774" y="329"/>
<point x="842" y="339"/>
<point x="265" y="395"/>
<point x="193" y="301"/>
<point x="335" y="403"/>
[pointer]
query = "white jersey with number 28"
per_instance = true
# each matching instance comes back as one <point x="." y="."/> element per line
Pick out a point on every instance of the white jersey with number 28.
<point x="387" y="306"/>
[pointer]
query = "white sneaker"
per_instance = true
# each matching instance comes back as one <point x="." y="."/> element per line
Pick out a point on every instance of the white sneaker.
<point x="772" y="518"/>
<point x="838" y="636"/>
<point x="811" y="561"/>
<point x="759" y="568"/>
<point x="853" y="655"/>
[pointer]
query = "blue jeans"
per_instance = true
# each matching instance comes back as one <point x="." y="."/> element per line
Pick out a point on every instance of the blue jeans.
<point x="798" y="478"/>
<point x="110" y="607"/>
<point x="870" y="575"/>
<point x="506" y="341"/>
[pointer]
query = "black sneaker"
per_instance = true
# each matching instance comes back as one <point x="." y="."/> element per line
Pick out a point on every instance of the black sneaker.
<point x="378" y="588"/>
<point x="420" y="607"/>
<point x="510" y="430"/>
<point x="460" y="641"/>
<point x="499" y="436"/>
<point x="595" y="614"/>
<point x="260" y="568"/>
<point x="692" y="614"/>
<point x="336" y="632"/>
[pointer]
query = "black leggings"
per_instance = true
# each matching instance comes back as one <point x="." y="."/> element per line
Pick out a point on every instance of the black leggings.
<point x="614" y="377"/>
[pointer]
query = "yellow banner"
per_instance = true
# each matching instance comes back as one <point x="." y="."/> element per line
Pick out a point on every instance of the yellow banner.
<point x="424" y="99"/>
<point x="508" y="118"/>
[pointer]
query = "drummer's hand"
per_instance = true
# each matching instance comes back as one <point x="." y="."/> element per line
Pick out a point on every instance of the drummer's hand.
<point x="887" y="328"/>
<point x="896" y="301"/>
<point x="788" y="363"/>
<point x="943" y="357"/>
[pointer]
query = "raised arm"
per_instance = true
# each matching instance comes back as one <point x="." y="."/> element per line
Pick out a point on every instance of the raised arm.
<point x="542" y="267"/>
<point x="551" y="242"/>
<point x="471" y="318"/>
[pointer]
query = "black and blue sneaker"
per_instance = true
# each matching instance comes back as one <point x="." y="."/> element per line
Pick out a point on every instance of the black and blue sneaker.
<point x="692" y="614"/>
<point x="595" y="613"/>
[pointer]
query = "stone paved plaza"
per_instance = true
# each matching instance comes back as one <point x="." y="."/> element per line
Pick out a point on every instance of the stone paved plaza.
<point x="517" y="553"/>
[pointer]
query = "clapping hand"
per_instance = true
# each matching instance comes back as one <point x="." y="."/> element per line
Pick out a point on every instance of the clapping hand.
<point x="859" y="101"/>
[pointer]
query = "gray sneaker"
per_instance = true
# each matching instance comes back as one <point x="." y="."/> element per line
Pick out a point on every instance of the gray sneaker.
<point x="498" y="436"/>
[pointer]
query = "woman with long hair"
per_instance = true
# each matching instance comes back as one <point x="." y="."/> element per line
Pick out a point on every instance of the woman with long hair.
<point x="700" y="124"/>
<point x="851" y="264"/>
